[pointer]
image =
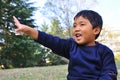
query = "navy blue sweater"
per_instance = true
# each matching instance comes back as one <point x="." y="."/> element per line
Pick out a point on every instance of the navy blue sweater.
<point x="85" y="62"/>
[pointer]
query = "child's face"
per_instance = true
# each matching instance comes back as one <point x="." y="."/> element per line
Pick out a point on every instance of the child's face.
<point x="83" y="31"/>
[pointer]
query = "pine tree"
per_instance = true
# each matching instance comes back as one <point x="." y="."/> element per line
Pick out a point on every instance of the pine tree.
<point x="16" y="50"/>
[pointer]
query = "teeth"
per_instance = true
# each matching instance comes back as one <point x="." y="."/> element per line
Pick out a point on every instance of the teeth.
<point x="77" y="35"/>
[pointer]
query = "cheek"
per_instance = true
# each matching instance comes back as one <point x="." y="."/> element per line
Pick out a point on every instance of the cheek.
<point x="88" y="33"/>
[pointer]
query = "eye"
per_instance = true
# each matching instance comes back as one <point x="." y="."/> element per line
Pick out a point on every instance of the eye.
<point x="82" y="24"/>
<point x="74" y="26"/>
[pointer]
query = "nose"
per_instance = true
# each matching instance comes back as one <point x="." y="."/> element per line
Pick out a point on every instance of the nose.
<point x="77" y="28"/>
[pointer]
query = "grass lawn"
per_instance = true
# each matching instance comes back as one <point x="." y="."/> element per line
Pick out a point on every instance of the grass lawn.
<point x="35" y="73"/>
<point x="38" y="73"/>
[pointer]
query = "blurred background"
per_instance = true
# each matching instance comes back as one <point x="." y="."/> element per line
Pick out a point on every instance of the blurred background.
<point x="20" y="54"/>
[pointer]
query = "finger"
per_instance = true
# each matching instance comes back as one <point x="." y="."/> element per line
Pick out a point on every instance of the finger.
<point x="15" y="19"/>
<point x="17" y="23"/>
<point x="18" y="32"/>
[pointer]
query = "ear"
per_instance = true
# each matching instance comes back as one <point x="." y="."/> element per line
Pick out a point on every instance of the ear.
<point x="97" y="30"/>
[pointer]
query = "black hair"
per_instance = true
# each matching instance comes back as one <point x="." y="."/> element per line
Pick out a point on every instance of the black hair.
<point x="94" y="18"/>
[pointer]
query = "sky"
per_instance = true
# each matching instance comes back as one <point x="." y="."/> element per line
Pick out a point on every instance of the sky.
<point x="108" y="9"/>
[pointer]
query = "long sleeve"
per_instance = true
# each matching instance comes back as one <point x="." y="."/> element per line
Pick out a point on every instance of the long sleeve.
<point x="85" y="62"/>
<point x="56" y="44"/>
<point x="109" y="70"/>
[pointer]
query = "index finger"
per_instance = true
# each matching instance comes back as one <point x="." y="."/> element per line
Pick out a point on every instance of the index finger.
<point x="16" y="21"/>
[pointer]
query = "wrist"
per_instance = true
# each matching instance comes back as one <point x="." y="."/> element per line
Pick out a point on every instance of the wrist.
<point x="34" y="33"/>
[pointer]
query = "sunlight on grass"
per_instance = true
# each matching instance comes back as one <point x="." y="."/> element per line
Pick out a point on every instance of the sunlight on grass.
<point x="39" y="73"/>
<point x="35" y="73"/>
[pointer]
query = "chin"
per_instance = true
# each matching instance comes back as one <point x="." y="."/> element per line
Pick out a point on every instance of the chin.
<point x="79" y="42"/>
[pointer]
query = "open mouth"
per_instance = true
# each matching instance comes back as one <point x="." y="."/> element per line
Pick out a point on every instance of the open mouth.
<point x="78" y="36"/>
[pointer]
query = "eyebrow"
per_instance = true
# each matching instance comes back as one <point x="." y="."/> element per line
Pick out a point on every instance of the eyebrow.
<point x="80" y="22"/>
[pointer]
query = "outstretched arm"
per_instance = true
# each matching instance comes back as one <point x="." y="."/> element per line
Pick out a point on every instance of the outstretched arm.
<point x="56" y="44"/>
<point x="24" y="29"/>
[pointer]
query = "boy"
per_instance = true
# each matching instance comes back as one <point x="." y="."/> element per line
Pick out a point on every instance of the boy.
<point x="88" y="59"/>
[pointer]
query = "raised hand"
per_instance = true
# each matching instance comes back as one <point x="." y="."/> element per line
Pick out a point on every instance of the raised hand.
<point x="24" y="29"/>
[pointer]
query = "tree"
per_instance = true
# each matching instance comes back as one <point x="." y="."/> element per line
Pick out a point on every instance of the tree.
<point x="60" y="14"/>
<point x="18" y="49"/>
<point x="64" y="10"/>
<point x="110" y="38"/>
<point x="48" y="56"/>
